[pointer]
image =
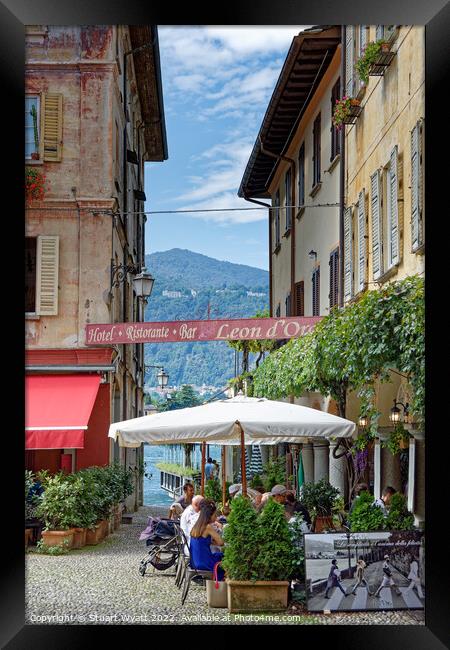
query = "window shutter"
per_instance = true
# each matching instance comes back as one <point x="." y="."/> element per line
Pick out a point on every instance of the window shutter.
<point x="393" y="217"/>
<point x="52" y="126"/>
<point x="361" y="241"/>
<point x="416" y="187"/>
<point x="300" y="298"/>
<point x="379" y="32"/>
<point x="377" y="250"/>
<point x="349" y="48"/>
<point x="47" y="266"/>
<point x="348" y="288"/>
<point x="334" y="278"/>
<point x="362" y="39"/>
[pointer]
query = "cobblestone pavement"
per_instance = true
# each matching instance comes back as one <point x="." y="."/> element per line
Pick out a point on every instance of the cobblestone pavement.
<point x="101" y="585"/>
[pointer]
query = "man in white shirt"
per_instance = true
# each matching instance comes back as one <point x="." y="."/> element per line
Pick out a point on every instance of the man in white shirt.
<point x="385" y="500"/>
<point x="190" y="516"/>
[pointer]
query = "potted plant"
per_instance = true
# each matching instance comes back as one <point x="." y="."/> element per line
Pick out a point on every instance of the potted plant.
<point x="257" y="557"/>
<point x="399" y="517"/>
<point x="31" y="503"/>
<point x="370" y="55"/>
<point x="34" y="185"/>
<point x="56" y="508"/>
<point x="319" y="498"/>
<point x="364" y="516"/>
<point x="35" y="154"/>
<point x="343" y="110"/>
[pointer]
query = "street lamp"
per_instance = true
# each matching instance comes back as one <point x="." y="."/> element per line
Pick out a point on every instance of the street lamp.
<point x="162" y="376"/>
<point x="363" y="421"/>
<point x="394" y="415"/>
<point x="143" y="282"/>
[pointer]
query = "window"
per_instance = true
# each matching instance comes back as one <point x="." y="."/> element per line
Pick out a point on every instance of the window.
<point x="363" y="38"/>
<point x="41" y="275"/>
<point x="384" y="32"/>
<point x="30" y="275"/>
<point x="316" y="292"/>
<point x="417" y="183"/>
<point x="288" y="199"/>
<point x="300" y="298"/>
<point x="335" y="134"/>
<point x="32" y="125"/>
<point x="334" y="278"/>
<point x="301" y="175"/>
<point x="362" y="241"/>
<point x="287" y="304"/>
<point x="316" y="151"/>
<point x="349" y="61"/>
<point x="392" y="225"/>
<point x="348" y="253"/>
<point x="277" y="219"/>
<point x="45" y="110"/>
<point x="377" y="225"/>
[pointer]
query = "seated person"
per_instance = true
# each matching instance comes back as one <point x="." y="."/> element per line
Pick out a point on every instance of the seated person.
<point x="188" y="494"/>
<point x="202" y="535"/>
<point x="293" y="506"/>
<point x="190" y="516"/>
<point x="175" y="511"/>
<point x="263" y="501"/>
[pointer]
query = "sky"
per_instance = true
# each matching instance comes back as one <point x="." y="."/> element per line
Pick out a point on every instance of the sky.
<point x="217" y="83"/>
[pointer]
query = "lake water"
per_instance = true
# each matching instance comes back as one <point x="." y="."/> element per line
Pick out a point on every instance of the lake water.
<point x="153" y="454"/>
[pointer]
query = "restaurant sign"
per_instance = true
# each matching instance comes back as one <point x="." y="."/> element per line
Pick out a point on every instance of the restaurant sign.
<point x="250" y="329"/>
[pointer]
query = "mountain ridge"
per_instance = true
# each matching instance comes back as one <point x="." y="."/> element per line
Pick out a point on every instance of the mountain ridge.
<point x="192" y="286"/>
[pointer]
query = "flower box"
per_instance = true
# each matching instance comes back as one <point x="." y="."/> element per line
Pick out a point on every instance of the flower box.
<point x="58" y="537"/>
<point x="93" y="535"/>
<point x="257" y="596"/>
<point x="79" y="537"/>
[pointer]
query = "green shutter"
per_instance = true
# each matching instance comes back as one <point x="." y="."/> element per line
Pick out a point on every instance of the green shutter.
<point x="348" y="266"/>
<point x="361" y="242"/>
<point x="394" y="235"/>
<point x="377" y="232"/>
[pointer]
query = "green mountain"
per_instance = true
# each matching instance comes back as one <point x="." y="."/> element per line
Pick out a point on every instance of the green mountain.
<point x="189" y="286"/>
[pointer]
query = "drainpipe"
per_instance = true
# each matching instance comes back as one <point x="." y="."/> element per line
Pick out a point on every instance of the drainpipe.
<point x="266" y="205"/>
<point x="342" y="180"/>
<point x="292" y="164"/>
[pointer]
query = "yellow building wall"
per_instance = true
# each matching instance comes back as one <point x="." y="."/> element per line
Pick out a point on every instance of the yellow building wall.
<point x="392" y="105"/>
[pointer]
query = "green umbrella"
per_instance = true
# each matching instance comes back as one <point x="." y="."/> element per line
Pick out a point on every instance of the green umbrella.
<point x="300" y="473"/>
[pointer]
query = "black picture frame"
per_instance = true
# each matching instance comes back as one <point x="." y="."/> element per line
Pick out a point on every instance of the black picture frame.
<point x="381" y="542"/>
<point x="435" y="15"/>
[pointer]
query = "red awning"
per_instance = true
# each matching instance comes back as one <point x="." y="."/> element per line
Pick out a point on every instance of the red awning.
<point x="58" y="408"/>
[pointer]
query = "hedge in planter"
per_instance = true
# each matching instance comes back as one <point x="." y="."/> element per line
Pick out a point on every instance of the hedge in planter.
<point x="320" y="499"/>
<point x="365" y="516"/>
<point x="57" y="509"/>
<point x="258" y="557"/>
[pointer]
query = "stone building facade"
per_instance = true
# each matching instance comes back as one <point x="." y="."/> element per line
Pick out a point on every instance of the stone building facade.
<point x="93" y="116"/>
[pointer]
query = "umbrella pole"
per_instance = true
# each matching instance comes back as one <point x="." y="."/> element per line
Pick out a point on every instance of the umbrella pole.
<point x="202" y="488"/>
<point x="243" y="467"/>
<point x="224" y="484"/>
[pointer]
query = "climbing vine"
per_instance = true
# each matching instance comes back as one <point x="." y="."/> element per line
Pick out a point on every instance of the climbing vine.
<point x="353" y="348"/>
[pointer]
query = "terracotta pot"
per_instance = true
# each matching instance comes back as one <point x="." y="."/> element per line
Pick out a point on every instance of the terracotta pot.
<point x="28" y="534"/>
<point x="261" y="595"/>
<point x="58" y="537"/>
<point x="79" y="538"/>
<point x="385" y="48"/>
<point x="35" y="155"/>
<point x="103" y="528"/>
<point x="93" y="535"/>
<point x="323" y="523"/>
<point x="355" y="102"/>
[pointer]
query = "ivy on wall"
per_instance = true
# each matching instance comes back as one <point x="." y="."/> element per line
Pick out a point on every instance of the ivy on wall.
<point x="354" y="347"/>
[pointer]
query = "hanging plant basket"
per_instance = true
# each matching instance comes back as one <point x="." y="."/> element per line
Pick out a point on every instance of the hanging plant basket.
<point x="35" y="185"/>
<point x="346" y="111"/>
<point x="375" y="59"/>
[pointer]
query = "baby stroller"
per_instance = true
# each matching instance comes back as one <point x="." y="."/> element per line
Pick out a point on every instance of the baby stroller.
<point x="163" y="537"/>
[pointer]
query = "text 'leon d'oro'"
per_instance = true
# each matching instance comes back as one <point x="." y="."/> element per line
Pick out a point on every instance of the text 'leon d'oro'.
<point x="209" y="330"/>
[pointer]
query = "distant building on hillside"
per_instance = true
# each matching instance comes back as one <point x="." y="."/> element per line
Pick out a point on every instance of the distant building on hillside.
<point x="172" y="294"/>
<point x="255" y="294"/>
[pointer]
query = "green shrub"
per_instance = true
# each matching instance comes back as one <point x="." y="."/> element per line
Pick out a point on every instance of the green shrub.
<point x="399" y="517"/>
<point x="298" y="547"/>
<point x="274" y="553"/>
<point x="274" y="472"/>
<point x="242" y="539"/>
<point x="257" y="483"/>
<point x="213" y="490"/>
<point x="31" y="502"/>
<point x="320" y="497"/>
<point x="365" y="516"/>
<point x="57" y="506"/>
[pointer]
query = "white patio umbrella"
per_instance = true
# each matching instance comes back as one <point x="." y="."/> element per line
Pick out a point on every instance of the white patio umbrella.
<point x="237" y="421"/>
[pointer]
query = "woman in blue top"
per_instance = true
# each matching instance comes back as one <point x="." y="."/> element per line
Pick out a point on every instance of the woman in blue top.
<point x="203" y="534"/>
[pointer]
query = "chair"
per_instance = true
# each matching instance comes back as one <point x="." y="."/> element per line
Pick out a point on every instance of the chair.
<point x="183" y="558"/>
<point x="185" y="576"/>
